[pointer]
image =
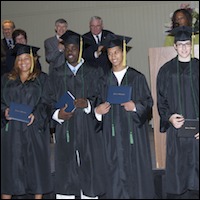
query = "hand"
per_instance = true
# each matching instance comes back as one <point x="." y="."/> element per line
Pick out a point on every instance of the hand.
<point x="99" y="50"/>
<point x="32" y="117"/>
<point x="7" y="114"/>
<point x="128" y="106"/>
<point x="177" y="120"/>
<point x="61" y="47"/>
<point x="64" y="115"/>
<point x="103" y="108"/>
<point x="81" y="103"/>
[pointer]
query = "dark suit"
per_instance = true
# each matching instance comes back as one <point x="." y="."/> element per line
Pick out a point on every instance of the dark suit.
<point x="4" y="51"/>
<point x="88" y="53"/>
<point x="53" y="56"/>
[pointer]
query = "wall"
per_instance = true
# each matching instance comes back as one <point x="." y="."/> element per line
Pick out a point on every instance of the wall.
<point x="143" y="21"/>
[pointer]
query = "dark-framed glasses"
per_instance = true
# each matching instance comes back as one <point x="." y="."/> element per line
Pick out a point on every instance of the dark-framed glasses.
<point x="181" y="45"/>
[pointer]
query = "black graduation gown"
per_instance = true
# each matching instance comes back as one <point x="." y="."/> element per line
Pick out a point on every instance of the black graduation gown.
<point x="77" y="133"/>
<point x="25" y="153"/>
<point x="129" y="167"/>
<point x="182" y="157"/>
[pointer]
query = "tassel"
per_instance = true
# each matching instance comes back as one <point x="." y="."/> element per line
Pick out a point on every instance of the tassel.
<point x="81" y="49"/>
<point x="32" y="61"/>
<point x="193" y="36"/>
<point x="113" y="130"/>
<point x="124" y="53"/>
<point x="131" y="137"/>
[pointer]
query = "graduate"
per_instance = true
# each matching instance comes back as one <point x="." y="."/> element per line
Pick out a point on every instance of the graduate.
<point x="25" y="148"/>
<point x="125" y="127"/>
<point x="79" y="164"/>
<point x="178" y="101"/>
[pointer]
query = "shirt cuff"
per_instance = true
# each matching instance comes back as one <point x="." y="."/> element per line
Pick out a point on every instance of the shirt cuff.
<point x="88" y="109"/>
<point x="55" y="117"/>
<point x="98" y="116"/>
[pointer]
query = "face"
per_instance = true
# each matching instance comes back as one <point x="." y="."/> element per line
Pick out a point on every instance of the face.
<point x="115" y="55"/>
<point x="60" y="28"/>
<point x="96" y="26"/>
<point x="183" y="48"/>
<point x="7" y="29"/>
<point x="72" y="53"/>
<point x="24" y="62"/>
<point x="181" y="19"/>
<point x="20" y="39"/>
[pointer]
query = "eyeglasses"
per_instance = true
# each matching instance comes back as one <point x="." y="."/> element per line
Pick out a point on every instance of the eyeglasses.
<point x="181" y="45"/>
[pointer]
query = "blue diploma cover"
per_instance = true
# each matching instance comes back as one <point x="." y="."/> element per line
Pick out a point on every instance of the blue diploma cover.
<point x="189" y="128"/>
<point x="66" y="98"/>
<point x="119" y="94"/>
<point x="20" y="112"/>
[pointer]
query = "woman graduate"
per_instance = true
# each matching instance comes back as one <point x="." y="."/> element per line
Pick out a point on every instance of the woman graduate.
<point x="125" y="127"/>
<point x="25" y="159"/>
<point x="178" y="103"/>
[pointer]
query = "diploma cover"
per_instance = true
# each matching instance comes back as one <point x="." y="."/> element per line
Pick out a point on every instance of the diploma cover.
<point x="119" y="94"/>
<point x="66" y="98"/>
<point x="20" y="112"/>
<point x="189" y="128"/>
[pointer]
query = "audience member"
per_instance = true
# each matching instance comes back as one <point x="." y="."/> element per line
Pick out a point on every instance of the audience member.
<point x="178" y="101"/>
<point x="181" y="17"/>
<point x="54" y="49"/>
<point x="7" y="42"/>
<point x="124" y="125"/>
<point x="25" y="158"/>
<point x="79" y="164"/>
<point x="19" y="36"/>
<point x="96" y="54"/>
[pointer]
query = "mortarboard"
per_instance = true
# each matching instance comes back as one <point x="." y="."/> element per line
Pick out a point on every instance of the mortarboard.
<point x="182" y="33"/>
<point x="22" y="48"/>
<point x="113" y="40"/>
<point x="71" y="37"/>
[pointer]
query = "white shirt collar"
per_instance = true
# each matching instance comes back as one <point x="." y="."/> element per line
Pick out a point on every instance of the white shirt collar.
<point x="120" y="74"/>
<point x="75" y="69"/>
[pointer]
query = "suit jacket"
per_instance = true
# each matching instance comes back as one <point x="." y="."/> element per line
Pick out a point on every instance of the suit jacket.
<point x="4" y="50"/>
<point x="53" y="56"/>
<point x="88" y="53"/>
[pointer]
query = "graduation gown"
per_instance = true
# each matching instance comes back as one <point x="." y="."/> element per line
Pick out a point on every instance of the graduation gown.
<point x="25" y="153"/>
<point x="182" y="157"/>
<point x="77" y="134"/>
<point x="126" y="140"/>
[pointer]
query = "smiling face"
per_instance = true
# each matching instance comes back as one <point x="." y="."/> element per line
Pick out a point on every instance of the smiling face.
<point x="72" y="53"/>
<point x="24" y="62"/>
<point x="183" y="49"/>
<point x="115" y="55"/>
<point x="96" y="26"/>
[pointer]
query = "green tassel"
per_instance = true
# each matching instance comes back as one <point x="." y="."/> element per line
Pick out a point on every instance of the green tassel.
<point x="131" y="137"/>
<point x="113" y="130"/>
<point x="67" y="136"/>
<point x="7" y="125"/>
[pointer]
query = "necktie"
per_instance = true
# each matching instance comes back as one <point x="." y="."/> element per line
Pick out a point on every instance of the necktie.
<point x="10" y="44"/>
<point x="98" y="40"/>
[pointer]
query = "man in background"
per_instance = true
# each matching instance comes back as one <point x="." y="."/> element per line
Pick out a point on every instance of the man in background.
<point x="7" y="42"/>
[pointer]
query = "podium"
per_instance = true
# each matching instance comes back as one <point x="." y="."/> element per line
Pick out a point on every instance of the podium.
<point x="157" y="57"/>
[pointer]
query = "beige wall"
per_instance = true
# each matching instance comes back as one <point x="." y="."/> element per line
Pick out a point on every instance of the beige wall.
<point x="143" y="21"/>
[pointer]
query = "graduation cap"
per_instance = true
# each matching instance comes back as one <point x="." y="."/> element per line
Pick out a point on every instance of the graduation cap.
<point x="113" y="40"/>
<point x="71" y="37"/>
<point x="182" y="33"/>
<point x="22" y="48"/>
